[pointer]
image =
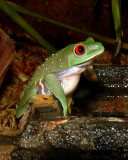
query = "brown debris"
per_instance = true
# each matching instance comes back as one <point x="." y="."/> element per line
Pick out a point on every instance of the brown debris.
<point x="5" y="151"/>
<point x="7" y="53"/>
<point x="21" y="126"/>
<point x="20" y="71"/>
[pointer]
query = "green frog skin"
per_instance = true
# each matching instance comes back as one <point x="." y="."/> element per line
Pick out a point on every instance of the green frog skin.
<point x="59" y="75"/>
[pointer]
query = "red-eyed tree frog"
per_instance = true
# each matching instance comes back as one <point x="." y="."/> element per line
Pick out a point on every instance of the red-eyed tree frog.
<point x="60" y="73"/>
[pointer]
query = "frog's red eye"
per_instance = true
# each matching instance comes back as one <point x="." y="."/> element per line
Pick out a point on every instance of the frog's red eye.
<point x="80" y="49"/>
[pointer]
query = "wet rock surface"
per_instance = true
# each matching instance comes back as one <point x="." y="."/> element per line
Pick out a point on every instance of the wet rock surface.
<point x="113" y="76"/>
<point x="76" y="138"/>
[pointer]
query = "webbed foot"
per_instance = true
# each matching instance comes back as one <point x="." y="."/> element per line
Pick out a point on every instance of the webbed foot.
<point x="41" y="99"/>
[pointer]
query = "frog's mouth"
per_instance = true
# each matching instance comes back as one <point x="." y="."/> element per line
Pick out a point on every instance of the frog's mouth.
<point x="87" y="63"/>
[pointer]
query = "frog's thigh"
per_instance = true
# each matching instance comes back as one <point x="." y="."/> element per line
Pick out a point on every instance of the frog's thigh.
<point x="53" y="84"/>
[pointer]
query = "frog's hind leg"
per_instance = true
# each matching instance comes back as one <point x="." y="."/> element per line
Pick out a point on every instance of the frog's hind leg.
<point x="54" y="85"/>
<point x="43" y="94"/>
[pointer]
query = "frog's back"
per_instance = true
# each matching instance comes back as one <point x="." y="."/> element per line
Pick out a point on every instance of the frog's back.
<point x="54" y="63"/>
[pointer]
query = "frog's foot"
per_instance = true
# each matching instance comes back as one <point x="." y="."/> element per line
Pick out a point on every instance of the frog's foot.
<point x="70" y="104"/>
<point x="41" y="99"/>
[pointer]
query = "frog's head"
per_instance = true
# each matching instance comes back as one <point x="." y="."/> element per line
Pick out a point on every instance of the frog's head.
<point x="84" y="52"/>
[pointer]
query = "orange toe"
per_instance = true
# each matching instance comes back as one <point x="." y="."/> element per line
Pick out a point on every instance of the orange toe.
<point x="41" y="99"/>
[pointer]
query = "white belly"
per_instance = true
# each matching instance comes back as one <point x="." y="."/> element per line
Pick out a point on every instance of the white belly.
<point x="70" y="83"/>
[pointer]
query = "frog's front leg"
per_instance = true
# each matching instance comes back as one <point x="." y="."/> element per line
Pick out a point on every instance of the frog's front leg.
<point x="54" y="85"/>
